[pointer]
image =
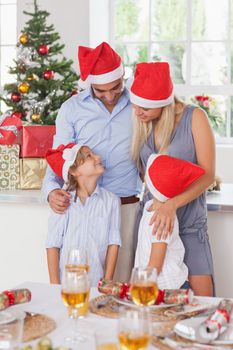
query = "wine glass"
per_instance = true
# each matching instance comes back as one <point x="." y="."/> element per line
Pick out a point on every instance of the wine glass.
<point x="75" y="295"/>
<point x="144" y="289"/>
<point x="79" y="258"/>
<point x="134" y="329"/>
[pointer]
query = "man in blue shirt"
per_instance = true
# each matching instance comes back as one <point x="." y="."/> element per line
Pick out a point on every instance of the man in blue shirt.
<point x="100" y="117"/>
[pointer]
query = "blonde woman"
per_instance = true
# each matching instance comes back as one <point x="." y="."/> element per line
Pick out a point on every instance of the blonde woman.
<point x="164" y="124"/>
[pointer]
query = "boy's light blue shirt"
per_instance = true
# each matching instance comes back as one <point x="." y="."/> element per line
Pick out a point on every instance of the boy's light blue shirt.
<point x="92" y="226"/>
<point x="84" y="119"/>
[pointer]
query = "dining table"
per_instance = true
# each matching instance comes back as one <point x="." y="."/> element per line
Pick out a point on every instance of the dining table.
<point x="46" y="300"/>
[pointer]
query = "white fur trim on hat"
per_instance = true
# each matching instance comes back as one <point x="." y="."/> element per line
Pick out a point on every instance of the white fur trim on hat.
<point x="84" y="84"/>
<point x="69" y="155"/>
<point x="149" y="183"/>
<point x="145" y="103"/>
<point x="106" y="77"/>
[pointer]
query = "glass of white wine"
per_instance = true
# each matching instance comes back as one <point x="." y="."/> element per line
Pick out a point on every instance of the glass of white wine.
<point x="75" y="295"/>
<point x="143" y="286"/>
<point x="78" y="257"/>
<point x="134" y="329"/>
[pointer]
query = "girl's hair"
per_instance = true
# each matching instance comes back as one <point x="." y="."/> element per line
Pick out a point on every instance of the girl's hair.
<point x="72" y="184"/>
<point x="165" y="124"/>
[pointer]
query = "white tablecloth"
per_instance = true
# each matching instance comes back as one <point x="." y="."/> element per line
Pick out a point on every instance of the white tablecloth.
<point x="46" y="299"/>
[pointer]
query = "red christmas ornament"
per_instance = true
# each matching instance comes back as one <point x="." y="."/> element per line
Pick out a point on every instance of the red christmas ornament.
<point x="15" y="97"/>
<point x="43" y="49"/>
<point x="17" y="115"/>
<point x="75" y="92"/>
<point x="48" y="74"/>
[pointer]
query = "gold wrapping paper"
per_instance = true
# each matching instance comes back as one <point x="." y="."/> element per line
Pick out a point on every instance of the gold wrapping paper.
<point x="32" y="172"/>
<point x="9" y="167"/>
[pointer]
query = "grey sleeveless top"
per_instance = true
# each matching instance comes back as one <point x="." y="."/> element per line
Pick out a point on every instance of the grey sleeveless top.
<point x="192" y="216"/>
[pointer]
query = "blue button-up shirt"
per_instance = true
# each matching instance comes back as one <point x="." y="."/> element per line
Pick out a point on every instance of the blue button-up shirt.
<point x="84" y="119"/>
<point x="93" y="226"/>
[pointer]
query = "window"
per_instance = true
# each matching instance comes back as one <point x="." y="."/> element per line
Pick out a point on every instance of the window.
<point x="8" y="39"/>
<point x="194" y="36"/>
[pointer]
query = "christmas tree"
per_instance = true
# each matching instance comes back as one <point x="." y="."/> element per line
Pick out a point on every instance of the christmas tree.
<point x="44" y="78"/>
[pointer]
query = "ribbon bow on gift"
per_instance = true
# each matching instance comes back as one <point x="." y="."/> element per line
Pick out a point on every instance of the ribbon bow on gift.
<point x="9" y="127"/>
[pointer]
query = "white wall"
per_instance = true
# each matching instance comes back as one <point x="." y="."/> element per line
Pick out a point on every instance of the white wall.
<point x="224" y="160"/>
<point x="69" y="17"/>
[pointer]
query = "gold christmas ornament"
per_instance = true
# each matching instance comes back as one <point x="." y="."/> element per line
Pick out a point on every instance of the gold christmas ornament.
<point x="35" y="117"/>
<point x="24" y="88"/>
<point x="32" y="77"/>
<point x="24" y="38"/>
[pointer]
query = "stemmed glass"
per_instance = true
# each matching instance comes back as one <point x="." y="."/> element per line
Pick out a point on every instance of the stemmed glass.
<point x="79" y="258"/>
<point x="75" y="294"/>
<point x="134" y="329"/>
<point x="144" y="288"/>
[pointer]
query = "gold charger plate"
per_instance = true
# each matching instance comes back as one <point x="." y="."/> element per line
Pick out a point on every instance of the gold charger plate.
<point x="36" y="326"/>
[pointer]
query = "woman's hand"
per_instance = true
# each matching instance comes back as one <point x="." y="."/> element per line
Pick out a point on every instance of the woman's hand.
<point x="163" y="218"/>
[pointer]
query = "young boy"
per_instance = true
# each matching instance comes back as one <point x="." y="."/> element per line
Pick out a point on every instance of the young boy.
<point x="92" y="221"/>
<point x="165" y="177"/>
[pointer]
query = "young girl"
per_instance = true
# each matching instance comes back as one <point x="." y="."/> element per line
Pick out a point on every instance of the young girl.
<point x="91" y="222"/>
<point x="165" y="178"/>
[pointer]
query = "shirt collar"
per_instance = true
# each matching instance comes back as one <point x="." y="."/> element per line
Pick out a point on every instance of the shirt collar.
<point x="95" y="192"/>
<point x="85" y="94"/>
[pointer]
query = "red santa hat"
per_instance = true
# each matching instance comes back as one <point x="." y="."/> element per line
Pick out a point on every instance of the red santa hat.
<point x="101" y="65"/>
<point x="167" y="176"/>
<point x="61" y="158"/>
<point x="152" y="86"/>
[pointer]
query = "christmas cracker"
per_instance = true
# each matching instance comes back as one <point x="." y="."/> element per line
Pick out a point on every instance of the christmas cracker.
<point x="216" y="323"/>
<point x="166" y="296"/>
<point x="15" y="296"/>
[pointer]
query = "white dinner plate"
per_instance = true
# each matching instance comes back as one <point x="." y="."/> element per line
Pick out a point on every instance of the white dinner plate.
<point x="187" y="329"/>
<point x="131" y="304"/>
<point x="6" y="317"/>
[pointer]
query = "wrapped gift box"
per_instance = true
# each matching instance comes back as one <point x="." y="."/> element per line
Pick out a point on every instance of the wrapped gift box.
<point x="9" y="130"/>
<point x="9" y="167"/>
<point x="32" y="172"/>
<point x="36" y="139"/>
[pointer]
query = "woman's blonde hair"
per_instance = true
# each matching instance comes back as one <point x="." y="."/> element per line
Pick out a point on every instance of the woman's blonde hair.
<point x="72" y="184"/>
<point x="165" y="126"/>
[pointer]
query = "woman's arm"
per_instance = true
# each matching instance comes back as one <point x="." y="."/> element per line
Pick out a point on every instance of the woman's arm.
<point x="157" y="255"/>
<point x="110" y="261"/>
<point x="164" y="215"/>
<point x="53" y="265"/>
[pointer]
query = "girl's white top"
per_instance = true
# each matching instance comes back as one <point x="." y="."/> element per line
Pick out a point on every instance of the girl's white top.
<point x="174" y="271"/>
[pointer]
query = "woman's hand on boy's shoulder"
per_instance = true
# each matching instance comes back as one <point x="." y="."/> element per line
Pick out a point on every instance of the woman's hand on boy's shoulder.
<point x="163" y="218"/>
<point x="59" y="200"/>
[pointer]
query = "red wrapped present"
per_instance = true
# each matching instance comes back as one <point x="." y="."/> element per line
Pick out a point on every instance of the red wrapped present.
<point x="15" y="296"/>
<point x="9" y="129"/>
<point x="36" y="139"/>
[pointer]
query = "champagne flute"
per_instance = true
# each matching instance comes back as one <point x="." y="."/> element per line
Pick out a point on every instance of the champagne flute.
<point x="78" y="258"/>
<point x="75" y="294"/>
<point x="134" y="329"/>
<point x="144" y="289"/>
